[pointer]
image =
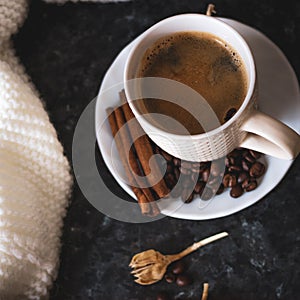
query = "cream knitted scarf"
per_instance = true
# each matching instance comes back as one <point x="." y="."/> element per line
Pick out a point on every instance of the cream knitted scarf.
<point x="35" y="179"/>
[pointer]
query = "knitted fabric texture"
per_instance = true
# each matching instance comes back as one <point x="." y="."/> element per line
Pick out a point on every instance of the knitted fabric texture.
<point x="35" y="180"/>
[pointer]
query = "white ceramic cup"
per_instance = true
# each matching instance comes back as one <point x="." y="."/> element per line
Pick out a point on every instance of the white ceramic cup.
<point x="248" y="128"/>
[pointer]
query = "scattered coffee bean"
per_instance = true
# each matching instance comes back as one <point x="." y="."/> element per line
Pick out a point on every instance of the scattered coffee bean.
<point x="166" y="155"/>
<point x="241" y="171"/>
<point x="176" y="162"/>
<point x="245" y="165"/>
<point x="230" y="113"/>
<point x="229" y="180"/>
<point x="199" y="187"/>
<point x="183" y="280"/>
<point x="250" y="158"/>
<point x="257" y="169"/>
<point x="170" y="168"/>
<point x="243" y="176"/>
<point x="162" y="296"/>
<point x="255" y="154"/>
<point x="249" y="184"/>
<point x="236" y="191"/>
<point x="205" y="175"/>
<point x="178" y="267"/>
<point x="177" y="173"/>
<point x="235" y="168"/>
<point x="170" y="277"/>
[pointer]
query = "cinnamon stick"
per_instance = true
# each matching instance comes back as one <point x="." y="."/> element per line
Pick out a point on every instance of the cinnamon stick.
<point x="144" y="150"/>
<point x="144" y="196"/>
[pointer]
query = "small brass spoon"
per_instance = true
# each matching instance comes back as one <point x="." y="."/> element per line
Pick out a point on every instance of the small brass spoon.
<point x="150" y="266"/>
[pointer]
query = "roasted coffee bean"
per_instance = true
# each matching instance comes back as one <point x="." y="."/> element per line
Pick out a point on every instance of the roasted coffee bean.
<point x="242" y="176"/>
<point x="178" y="267"/>
<point x="257" y="169"/>
<point x="245" y="165"/>
<point x="170" y="168"/>
<point x="176" y="161"/>
<point x="205" y="175"/>
<point x="199" y="187"/>
<point x="249" y="185"/>
<point x="207" y="194"/>
<point x="187" y="195"/>
<point x="235" y="168"/>
<point x="230" y="113"/>
<point x="162" y="296"/>
<point x="170" y="277"/>
<point x="229" y="180"/>
<point x="236" y="191"/>
<point x="250" y="158"/>
<point x="170" y="180"/>
<point x="234" y="153"/>
<point x="255" y="154"/>
<point x="157" y="150"/>
<point x="183" y="280"/>
<point x="166" y="155"/>
<point x="220" y="189"/>
<point x="186" y="165"/>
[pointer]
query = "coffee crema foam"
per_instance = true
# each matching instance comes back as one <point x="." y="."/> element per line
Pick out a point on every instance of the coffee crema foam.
<point x="203" y="62"/>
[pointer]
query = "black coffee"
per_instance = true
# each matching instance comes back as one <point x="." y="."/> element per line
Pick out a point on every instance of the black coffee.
<point x="205" y="63"/>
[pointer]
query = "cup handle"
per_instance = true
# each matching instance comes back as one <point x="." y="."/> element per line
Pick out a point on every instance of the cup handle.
<point x="270" y="136"/>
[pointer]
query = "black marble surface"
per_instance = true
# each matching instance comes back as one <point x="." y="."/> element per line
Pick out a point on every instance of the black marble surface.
<point x="66" y="50"/>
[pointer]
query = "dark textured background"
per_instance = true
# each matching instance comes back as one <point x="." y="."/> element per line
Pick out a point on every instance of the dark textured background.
<point x="66" y="50"/>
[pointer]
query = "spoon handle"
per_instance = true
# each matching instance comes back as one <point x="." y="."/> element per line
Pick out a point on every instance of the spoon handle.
<point x="196" y="246"/>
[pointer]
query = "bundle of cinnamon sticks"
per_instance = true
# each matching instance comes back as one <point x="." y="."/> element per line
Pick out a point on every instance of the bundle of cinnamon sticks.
<point x="136" y="162"/>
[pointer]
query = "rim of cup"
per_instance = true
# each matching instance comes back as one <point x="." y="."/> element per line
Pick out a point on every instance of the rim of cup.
<point x="251" y="73"/>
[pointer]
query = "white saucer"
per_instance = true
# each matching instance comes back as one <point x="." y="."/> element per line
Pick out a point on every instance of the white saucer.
<point x="278" y="96"/>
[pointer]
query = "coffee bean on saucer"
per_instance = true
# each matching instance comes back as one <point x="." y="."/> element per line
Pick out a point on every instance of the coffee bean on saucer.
<point x="178" y="267"/>
<point x="255" y="154"/>
<point x="162" y="296"/>
<point x="229" y="180"/>
<point x="257" y="169"/>
<point x="249" y="184"/>
<point x="199" y="187"/>
<point x="170" y="180"/>
<point x="220" y="189"/>
<point x="166" y="155"/>
<point x="250" y="158"/>
<point x="170" y="277"/>
<point x="246" y="165"/>
<point x="236" y="191"/>
<point x="205" y="175"/>
<point x="242" y="176"/>
<point x="183" y="280"/>
<point x="235" y="168"/>
<point x="176" y="162"/>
